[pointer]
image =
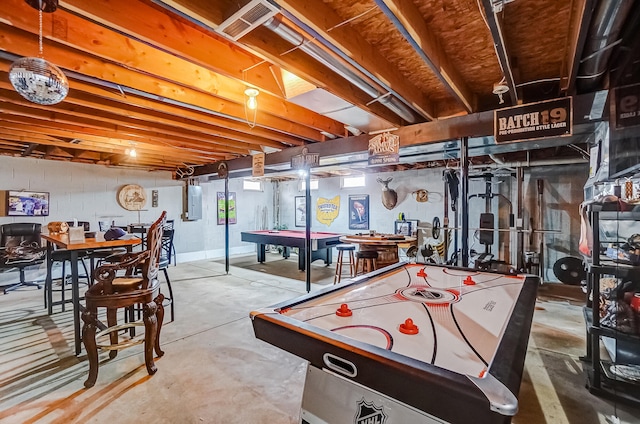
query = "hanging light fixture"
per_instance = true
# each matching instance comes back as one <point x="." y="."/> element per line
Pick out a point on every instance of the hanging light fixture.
<point x="132" y="150"/>
<point x="34" y="78"/>
<point x="251" y="104"/>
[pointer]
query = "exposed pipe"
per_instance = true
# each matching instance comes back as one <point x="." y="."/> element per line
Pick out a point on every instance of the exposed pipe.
<point x="603" y="34"/>
<point x="292" y="36"/>
<point x="543" y="162"/>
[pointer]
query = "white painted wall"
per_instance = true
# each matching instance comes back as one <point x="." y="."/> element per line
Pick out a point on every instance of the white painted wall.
<point x="561" y="199"/>
<point x="88" y="193"/>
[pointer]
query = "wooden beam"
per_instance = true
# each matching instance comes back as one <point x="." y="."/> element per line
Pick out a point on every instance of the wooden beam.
<point x="322" y="19"/>
<point x="581" y="14"/>
<point x="495" y="26"/>
<point x="63" y="119"/>
<point x="168" y="32"/>
<point x="23" y="44"/>
<point x="168" y="161"/>
<point x="131" y="105"/>
<point x="99" y="140"/>
<point x="76" y="32"/>
<point x="302" y="65"/>
<point x="91" y="114"/>
<point x="407" y="18"/>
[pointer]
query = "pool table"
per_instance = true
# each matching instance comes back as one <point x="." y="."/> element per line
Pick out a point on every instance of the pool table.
<point x="321" y="243"/>
<point x="411" y="343"/>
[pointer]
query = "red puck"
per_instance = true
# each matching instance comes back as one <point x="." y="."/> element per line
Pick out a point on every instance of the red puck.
<point x="344" y="311"/>
<point x="408" y="327"/>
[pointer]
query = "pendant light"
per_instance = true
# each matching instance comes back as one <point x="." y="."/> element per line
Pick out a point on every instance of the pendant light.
<point x="251" y="106"/>
<point x="34" y="78"/>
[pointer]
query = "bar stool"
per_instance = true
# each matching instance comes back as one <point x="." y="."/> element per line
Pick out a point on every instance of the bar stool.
<point x="62" y="256"/>
<point x="368" y="259"/>
<point x="341" y="249"/>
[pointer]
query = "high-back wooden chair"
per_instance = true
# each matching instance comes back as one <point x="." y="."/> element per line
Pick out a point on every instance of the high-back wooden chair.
<point x="125" y="284"/>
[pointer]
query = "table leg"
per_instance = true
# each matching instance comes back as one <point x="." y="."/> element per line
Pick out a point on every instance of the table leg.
<point x="75" y="290"/>
<point x="48" y="283"/>
<point x="261" y="253"/>
<point x="302" y="259"/>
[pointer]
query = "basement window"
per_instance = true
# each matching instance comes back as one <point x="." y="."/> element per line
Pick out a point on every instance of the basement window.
<point x="252" y="185"/>
<point x="353" y="181"/>
<point x="303" y="185"/>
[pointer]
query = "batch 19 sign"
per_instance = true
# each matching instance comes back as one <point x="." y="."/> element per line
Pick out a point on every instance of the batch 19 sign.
<point x="535" y="120"/>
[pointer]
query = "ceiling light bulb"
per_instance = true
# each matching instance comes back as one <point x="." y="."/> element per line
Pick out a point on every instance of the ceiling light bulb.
<point x="133" y="153"/>
<point x="252" y="102"/>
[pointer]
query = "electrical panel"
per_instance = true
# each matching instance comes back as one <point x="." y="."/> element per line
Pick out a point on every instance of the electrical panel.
<point x="193" y="203"/>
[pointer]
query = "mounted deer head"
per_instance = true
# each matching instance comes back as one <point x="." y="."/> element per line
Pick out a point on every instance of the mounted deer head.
<point x="389" y="195"/>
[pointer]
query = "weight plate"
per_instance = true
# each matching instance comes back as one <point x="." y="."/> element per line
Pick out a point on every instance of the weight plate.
<point x="435" y="228"/>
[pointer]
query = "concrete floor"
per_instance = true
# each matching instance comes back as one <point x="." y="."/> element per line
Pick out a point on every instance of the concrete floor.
<point x="215" y="371"/>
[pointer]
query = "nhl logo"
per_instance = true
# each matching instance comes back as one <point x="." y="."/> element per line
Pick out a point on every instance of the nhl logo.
<point x="368" y="413"/>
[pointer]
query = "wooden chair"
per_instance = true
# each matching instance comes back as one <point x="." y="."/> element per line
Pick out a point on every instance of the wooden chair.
<point x="114" y="291"/>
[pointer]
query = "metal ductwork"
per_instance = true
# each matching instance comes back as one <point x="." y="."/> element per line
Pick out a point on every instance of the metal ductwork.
<point x="292" y="36"/>
<point x="248" y="17"/>
<point x="604" y="31"/>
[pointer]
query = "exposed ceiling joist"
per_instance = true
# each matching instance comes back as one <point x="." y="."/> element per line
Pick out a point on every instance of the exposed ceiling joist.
<point x="407" y="18"/>
<point x="582" y="12"/>
<point x="494" y="21"/>
<point x="324" y="21"/>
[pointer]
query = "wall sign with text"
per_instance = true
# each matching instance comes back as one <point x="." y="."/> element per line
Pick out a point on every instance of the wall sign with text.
<point x="626" y="112"/>
<point x="546" y="119"/>
<point x="384" y="149"/>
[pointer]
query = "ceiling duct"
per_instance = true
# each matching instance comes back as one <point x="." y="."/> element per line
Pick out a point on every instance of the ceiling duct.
<point x="292" y="36"/>
<point x="250" y="16"/>
<point x="603" y="35"/>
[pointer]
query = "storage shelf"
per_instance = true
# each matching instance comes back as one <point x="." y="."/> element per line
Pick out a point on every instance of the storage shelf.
<point x="623" y="348"/>
<point x="613" y="387"/>
<point x="609" y="266"/>
<point x="607" y="331"/>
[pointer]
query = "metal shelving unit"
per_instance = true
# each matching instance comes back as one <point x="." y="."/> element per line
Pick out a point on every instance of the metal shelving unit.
<point x="623" y="348"/>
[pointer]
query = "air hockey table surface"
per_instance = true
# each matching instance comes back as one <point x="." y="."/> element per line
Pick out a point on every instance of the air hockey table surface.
<point x="447" y="341"/>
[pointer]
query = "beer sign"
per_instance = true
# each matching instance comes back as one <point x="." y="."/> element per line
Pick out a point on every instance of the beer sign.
<point x="546" y="119"/>
<point x="626" y="112"/>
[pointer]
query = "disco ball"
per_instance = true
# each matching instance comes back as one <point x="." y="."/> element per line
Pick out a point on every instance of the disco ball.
<point x="38" y="81"/>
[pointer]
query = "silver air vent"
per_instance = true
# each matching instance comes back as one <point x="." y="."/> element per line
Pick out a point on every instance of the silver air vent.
<point x="247" y="18"/>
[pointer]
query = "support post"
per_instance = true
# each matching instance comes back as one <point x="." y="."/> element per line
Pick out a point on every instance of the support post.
<point x="464" y="200"/>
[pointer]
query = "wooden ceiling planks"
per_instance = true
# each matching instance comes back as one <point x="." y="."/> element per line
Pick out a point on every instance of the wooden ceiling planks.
<point x="327" y="22"/>
<point x="378" y="31"/>
<point x="176" y="89"/>
<point x="109" y="46"/>
<point x="539" y="54"/>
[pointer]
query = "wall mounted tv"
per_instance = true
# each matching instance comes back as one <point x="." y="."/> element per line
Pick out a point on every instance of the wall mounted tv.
<point x="27" y="203"/>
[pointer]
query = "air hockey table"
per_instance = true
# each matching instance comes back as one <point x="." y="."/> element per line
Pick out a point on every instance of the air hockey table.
<point x="321" y="243"/>
<point x="410" y="343"/>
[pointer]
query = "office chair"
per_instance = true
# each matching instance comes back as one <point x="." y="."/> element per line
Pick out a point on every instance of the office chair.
<point x="20" y="248"/>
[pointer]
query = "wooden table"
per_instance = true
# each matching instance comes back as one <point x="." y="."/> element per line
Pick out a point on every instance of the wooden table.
<point x="62" y="241"/>
<point x="385" y="244"/>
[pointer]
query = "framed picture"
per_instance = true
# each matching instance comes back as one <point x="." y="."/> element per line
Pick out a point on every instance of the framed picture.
<point x="301" y="211"/>
<point x="231" y="206"/>
<point x="406" y="227"/>
<point x="359" y="212"/>
<point x="403" y="227"/>
<point x="27" y="203"/>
